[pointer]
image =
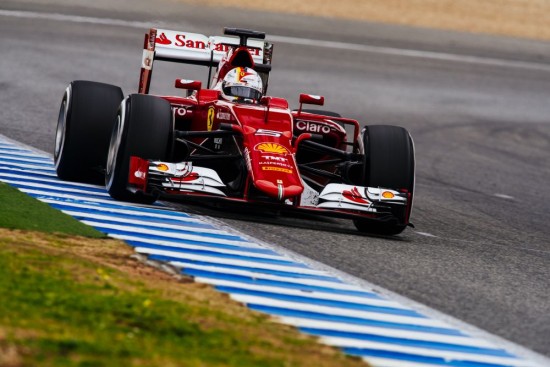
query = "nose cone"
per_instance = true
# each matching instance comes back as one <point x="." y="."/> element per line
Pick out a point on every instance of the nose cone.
<point x="278" y="190"/>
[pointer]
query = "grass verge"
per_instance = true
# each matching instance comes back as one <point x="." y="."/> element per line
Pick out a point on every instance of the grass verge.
<point x="77" y="301"/>
<point x="20" y="211"/>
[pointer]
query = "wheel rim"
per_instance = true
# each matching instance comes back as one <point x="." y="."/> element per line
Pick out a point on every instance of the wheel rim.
<point x="61" y="130"/>
<point x="113" y="151"/>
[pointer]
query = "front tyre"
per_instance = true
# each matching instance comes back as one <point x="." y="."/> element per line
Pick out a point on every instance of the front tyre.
<point x="389" y="163"/>
<point x="144" y="129"/>
<point x="84" y="124"/>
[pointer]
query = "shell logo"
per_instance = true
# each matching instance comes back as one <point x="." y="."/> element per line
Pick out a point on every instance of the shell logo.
<point x="271" y="148"/>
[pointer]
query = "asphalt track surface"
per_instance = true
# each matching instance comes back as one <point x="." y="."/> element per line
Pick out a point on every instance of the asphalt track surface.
<point x="477" y="107"/>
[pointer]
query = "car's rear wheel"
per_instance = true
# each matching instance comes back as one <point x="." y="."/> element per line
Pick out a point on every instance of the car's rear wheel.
<point x="86" y="117"/>
<point x="144" y="129"/>
<point x="389" y="163"/>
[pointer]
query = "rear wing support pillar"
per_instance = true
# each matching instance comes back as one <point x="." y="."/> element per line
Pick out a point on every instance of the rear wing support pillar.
<point x="147" y="61"/>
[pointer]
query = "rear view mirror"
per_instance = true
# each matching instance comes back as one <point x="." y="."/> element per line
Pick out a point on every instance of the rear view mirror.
<point x="188" y="84"/>
<point x="312" y="99"/>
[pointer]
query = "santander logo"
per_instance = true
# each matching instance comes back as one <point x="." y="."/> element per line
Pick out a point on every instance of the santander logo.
<point x="163" y="40"/>
<point x="354" y="195"/>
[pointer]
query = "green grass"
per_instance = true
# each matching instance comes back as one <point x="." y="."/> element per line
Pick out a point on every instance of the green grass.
<point x="20" y="211"/>
<point x="84" y="302"/>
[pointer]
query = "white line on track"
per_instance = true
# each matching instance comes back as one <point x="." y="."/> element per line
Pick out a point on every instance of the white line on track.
<point x="173" y="216"/>
<point x="317" y="295"/>
<point x="253" y="265"/>
<point x="425" y="352"/>
<point x="137" y="233"/>
<point x="504" y="196"/>
<point x="391" y="333"/>
<point x="143" y="223"/>
<point x="55" y="187"/>
<point x="392" y="51"/>
<point x="385" y="362"/>
<point x="333" y="311"/>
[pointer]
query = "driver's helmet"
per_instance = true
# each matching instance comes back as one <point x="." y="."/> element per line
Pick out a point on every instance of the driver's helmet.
<point x="242" y="83"/>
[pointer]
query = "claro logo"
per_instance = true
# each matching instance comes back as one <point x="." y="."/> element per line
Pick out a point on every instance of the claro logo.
<point x="312" y="127"/>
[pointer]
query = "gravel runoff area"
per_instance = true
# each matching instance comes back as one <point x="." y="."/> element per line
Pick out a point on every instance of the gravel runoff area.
<point x="516" y="18"/>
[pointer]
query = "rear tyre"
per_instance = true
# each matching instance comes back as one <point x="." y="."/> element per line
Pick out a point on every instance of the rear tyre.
<point x="144" y="129"/>
<point x="389" y="163"/>
<point x="86" y="117"/>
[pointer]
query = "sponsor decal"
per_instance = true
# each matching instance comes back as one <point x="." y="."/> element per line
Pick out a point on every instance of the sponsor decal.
<point x="210" y="118"/>
<point x="275" y="158"/>
<point x="199" y="42"/>
<point x="147" y="59"/>
<point x="218" y="143"/>
<point x="223" y="116"/>
<point x="140" y="174"/>
<point x="152" y="39"/>
<point x="277" y="169"/>
<point x="222" y="47"/>
<point x="179" y="111"/>
<point x="272" y="161"/>
<point x="163" y="40"/>
<point x="312" y="127"/>
<point x="355" y="196"/>
<point x="181" y="41"/>
<point x="268" y="133"/>
<point x="271" y="148"/>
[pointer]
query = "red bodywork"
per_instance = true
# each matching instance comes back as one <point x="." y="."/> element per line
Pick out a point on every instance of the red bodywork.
<point x="267" y="127"/>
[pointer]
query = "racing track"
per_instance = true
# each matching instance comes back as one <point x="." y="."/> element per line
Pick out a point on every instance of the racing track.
<point x="481" y="123"/>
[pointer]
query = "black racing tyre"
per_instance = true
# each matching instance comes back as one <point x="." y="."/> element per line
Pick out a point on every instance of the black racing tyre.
<point x="143" y="128"/>
<point x="86" y="117"/>
<point x="389" y="163"/>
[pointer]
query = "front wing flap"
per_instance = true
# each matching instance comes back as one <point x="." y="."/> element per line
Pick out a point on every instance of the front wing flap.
<point x="185" y="179"/>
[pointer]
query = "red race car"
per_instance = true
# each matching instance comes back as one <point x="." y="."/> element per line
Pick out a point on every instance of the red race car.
<point x="232" y="142"/>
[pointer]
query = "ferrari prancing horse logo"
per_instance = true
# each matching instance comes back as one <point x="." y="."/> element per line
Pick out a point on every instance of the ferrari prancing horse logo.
<point x="210" y="118"/>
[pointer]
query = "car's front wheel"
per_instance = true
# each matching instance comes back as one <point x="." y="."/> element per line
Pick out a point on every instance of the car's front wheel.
<point x="389" y="163"/>
<point x="144" y="129"/>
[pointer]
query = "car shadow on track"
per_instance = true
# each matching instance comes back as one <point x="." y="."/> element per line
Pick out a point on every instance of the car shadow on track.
<point x="294" y="220"/>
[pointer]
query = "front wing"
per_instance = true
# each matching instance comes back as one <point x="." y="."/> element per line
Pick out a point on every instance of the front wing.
<point x="186" y="181"/>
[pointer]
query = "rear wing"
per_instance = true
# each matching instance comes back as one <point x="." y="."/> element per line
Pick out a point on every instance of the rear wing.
<point x="197" y="49"/>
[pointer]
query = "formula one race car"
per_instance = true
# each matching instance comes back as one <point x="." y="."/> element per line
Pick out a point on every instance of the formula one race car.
<point x="232" y="142"/>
